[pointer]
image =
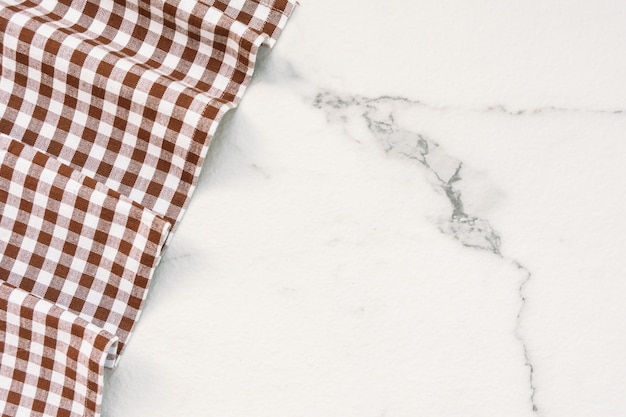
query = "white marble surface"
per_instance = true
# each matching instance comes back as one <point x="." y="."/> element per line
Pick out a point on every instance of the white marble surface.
<point x="416" y="211"/>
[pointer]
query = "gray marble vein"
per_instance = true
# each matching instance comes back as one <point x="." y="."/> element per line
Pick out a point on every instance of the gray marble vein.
<point x="444" y="172"/>
<point x="343" y="101"/>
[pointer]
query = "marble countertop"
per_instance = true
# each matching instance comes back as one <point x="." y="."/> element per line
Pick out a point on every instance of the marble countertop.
<point x="415" y="211"/>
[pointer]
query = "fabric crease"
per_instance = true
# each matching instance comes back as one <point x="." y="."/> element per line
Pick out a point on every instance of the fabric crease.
<point x="107" y="109"/>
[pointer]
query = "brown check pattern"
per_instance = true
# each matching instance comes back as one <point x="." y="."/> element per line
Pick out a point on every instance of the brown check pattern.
<point x="129" y="93"/>
<point x="107" y="109"/>
<point x="51" y="361"/>
<point x="68" y="239"/>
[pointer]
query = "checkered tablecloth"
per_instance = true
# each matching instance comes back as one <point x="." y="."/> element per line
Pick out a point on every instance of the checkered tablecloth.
<point x="107" y="109"/>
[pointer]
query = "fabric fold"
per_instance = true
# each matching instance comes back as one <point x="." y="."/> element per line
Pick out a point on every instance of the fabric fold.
<point x="130" y="93"/>
<point x="51" y="361"/>
<point x="107" y="110"/>
<point x="71" y="241"/>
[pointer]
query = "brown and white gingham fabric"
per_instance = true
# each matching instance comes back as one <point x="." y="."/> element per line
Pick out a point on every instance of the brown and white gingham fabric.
<point x="107" y="109"/>
<point x="51" y="361"/>
<point x="129" y="92"/>
<point x="72" y="241"/>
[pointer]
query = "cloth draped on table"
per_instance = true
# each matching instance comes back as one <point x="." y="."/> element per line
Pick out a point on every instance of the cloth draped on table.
<point x="107" y="109"/>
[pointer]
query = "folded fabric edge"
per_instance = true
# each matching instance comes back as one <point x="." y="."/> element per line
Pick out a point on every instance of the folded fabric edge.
<point x="115" y="355"/>
<point x="217" y="108"/>
<point x="121" y="223"/>
<point x="109" y="349"/>
<point x="287" y="12"/>
<point x="52" y="361"/>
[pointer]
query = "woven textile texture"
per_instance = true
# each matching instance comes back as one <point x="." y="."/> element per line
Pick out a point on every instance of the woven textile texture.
<point x="70" y="240"/>
<point x="129" y="92"/>
<point x="51" y="360"/>
<point x="107" y="109"/>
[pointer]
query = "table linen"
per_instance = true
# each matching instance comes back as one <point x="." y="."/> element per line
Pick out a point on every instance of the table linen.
<point x="107" y="109"/>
